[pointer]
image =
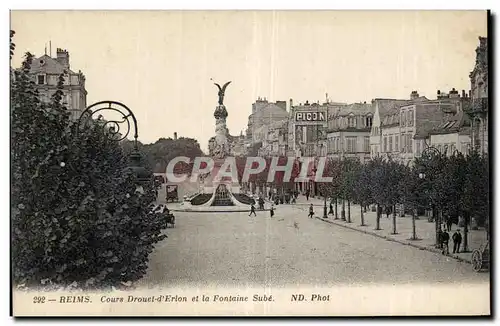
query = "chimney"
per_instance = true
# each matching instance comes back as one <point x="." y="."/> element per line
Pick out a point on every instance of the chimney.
<point x="454" y="93"/>
<point x="63" y="57"/>
<point x="463" y="93"/>
<point x="413" y="95"/>
<point x="175" y="135"/>
<point x="291" y="104"/>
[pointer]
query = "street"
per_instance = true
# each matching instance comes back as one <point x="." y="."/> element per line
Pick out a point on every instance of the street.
<point x="233" y="249"/>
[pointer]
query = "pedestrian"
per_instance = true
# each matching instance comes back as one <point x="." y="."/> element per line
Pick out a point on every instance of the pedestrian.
<point x="271" y="210"/>
<point x="311" y="211"/>
<point x="457" y="239"/>
<point x="294" y="199"/>
<point x="307" y="195"/>
<point x="445" y="239"/>
<point x="270" y="194"/>
<point x="331" y="209"/>
<point x="252" y="210"/>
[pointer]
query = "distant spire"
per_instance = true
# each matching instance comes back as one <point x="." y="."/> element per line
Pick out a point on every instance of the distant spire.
<point x="45" y="48"/>
<point x="50" y="48"/>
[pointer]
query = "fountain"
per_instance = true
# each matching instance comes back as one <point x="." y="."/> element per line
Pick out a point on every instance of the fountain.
<point x="219" y="194"/>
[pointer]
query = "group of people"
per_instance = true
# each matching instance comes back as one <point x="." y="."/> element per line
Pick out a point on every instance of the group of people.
<point x="444" y="238"/>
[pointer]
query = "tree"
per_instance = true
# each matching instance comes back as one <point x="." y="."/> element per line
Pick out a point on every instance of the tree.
<point x="76" y="214"/>
<point x="362" y="193"/>
<point x="378" y="176"/>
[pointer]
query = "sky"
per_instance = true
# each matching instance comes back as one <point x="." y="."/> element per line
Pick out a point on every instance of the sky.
<point x="160" y="63"/>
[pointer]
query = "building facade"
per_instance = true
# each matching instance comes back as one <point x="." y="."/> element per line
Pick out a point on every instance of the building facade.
<point x="264" y="113"/>
<point x="46" y="70"/>
<point x="478" y="111"/>
<point x="349" y="132"/>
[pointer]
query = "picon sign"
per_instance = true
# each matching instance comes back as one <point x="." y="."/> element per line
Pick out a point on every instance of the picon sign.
<point x="310" y="116"/>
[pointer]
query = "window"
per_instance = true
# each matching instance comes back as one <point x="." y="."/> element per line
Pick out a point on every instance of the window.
<point x="410" y="118"/>
<point x="390" y="143"/>
<point x="352" y="122"/>
<point x="409" y="146"/>
<point x="403" y="143"/>
<point x="417" y="147"/>
<point x="351" y="144"/>
<point x="385" y="143"/>
<point x="452" y="149"/>
<point x="396" y="143"/>
<point x="366" y="146"/>
<point x="337" y="148"/>
<point x="41" y="80"/>
<point x="402" y="118"/>
<point x="369" y="121"/>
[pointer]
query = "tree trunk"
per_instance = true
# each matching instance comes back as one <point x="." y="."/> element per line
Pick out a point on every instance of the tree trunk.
<point x="348" y="211"/>
<point x="378" y="218"/>
<point x="362" y="216"/>
<point x="342" y="213"/>
<point x="336" y="212"/>
<point x="466" y="234"/>
<point x="394" y="231"/>
<point x="413" y="226"/>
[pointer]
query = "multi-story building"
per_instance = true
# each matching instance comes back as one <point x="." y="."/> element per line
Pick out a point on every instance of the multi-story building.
<point x="380" y="107"/>
<point x="308" y="127"/>
<point x="274" y="138"/>
<point x="453" y="133"/>
<point x="406" y="128"/>
<point x="349" y="131"/>
<point x="479" y="109"/>
<point x="46" y="71"/>
<point x="263" y="114"/>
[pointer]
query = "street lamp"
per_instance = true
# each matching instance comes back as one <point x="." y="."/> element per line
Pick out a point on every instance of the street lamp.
<point x="428" y="154"/>
<point x="112" y="131"/>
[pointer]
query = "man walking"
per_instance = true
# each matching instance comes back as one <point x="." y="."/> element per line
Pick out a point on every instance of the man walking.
<point x="252" y="210"/>
<point x="457" y="239"/>
<point x="307" y="195"/>
<point x="331" y="209"/>
<point x="311" y="211"/>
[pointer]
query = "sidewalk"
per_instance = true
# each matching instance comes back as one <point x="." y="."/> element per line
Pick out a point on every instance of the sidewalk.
<point x="425" y="230"/>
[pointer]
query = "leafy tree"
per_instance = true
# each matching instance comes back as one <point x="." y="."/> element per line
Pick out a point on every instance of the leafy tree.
<point x="76" y="213"/>
<point x="362" y="193"/>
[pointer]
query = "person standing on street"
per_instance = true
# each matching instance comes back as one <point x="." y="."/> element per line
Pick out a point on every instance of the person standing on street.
<point x="457" y="239"/>
<point x="311" y="211"/>
<point x="331" y="209"/>
<point x="445" y="238"/>
<point x="252" y="210"/>
<point x="271" y="210"/>
<point x="307" y="195"/>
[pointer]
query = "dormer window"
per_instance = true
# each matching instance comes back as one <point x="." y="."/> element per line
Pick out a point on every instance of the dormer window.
<point x="41" y="80"/>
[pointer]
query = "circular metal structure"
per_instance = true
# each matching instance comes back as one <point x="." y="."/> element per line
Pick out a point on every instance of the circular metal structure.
<point x="477" y="260"/>
<point x="430" y="151"/>
<point x="114" y="127"/>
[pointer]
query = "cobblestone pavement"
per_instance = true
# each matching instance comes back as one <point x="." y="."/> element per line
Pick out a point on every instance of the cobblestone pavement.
<point x="233" y="249"/>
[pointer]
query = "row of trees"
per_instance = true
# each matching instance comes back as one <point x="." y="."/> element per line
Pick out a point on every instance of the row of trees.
<point x="77" y="216"/>
<point x="451" y="186"/>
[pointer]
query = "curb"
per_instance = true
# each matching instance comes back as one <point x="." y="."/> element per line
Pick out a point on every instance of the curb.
<point x="408" y="243"/>
<point x="207" y="211"/>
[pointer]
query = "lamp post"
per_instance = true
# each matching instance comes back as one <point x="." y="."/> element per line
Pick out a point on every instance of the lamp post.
<point x="112" y="130"/>
<point x="428" y="154"/>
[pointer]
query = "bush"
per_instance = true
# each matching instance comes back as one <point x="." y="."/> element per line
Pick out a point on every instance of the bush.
<point x="76" y="213"/>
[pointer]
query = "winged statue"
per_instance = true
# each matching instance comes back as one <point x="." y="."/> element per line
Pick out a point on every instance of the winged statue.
<point x="222" y="91"/>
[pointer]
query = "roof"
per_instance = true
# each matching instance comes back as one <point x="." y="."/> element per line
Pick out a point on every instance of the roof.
<point x="428" y="117"/>
<point x="385" y="104"/>
<point x="451" y="125"/>
<point x="355" y="108"/>
<point x="51" y="66"/>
